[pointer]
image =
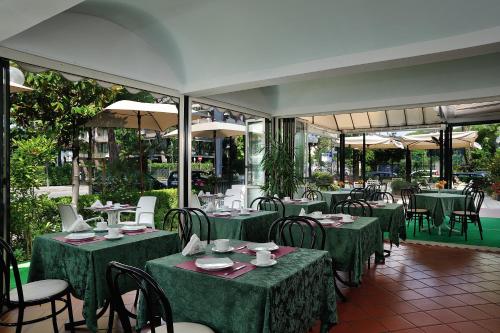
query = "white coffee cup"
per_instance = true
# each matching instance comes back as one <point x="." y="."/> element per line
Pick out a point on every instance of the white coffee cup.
<point x="117" y="205"/>
<point x="109" y="203"/>
<point x="287" y="199"/>
<point x="113" y="232"/>
<point x="221" y="244"/>
<point x="244" y="211"/>
<point x="207" y="193"/>
<point x="264" y="257"/>
<point x="101" y="225"/>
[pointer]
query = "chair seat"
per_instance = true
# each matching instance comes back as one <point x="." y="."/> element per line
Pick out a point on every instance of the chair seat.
<point x="39" y="290"/>
<point x="183" y="327"/>
<point x="461" y="212"/>
<point x="418" y="211"/>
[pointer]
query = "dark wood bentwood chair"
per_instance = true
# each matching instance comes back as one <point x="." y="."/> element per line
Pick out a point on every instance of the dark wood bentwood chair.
<point x="269" y="203"/>
<point x="312" y="194"/>
<point x="31" y="294"/>
<point x="184" y="218"/>
<point x="414" y="213"/>
<point x="473" y="201"/>
<point x="152" y="293"/>
<point x="382" y="196"/>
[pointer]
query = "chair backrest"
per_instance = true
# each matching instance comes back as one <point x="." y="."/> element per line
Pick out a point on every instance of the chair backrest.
<point x="353" y="207"/>
<point x="312" y="194"/>
<point x="231" y="196"/>
<point x="146" y="204"/>
<point x="188" y="221"/>
<point x="473" y="202"/>
<point x="299" y="231"/>
<point x="409" y="199"/>
<point x="68" y="215"/>
<point x="7" y="259"/>
<point x="370" y="189"/>
<point x="382" y="196"/>
<point x="269" y="203"/>
<point x="119" y="277"/>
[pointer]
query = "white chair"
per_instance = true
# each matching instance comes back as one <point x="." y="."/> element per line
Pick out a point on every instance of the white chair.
<point x="144" y="214"/>
<point x="69" y="216"/>
<point x="195" y="201"/>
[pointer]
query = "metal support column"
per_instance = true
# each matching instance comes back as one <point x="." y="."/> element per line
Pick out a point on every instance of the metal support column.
<point x="4" y="150"/>
<point x="441" y="155"/>
<point x="448" y="153"/>
<point x="363" y="160"/>
<point x="184" y="169"/>
<point x="342" y="157"/>
<point x="408" y="165"/>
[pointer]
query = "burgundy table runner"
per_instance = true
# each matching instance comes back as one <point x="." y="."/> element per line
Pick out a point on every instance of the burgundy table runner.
<point x="228" y="273"/>
<point x="79" y="242"/>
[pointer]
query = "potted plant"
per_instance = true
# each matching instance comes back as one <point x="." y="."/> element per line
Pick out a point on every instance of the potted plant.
<point x="279" y="165"/>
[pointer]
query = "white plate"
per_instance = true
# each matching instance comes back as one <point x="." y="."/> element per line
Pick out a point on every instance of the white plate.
<point x="100" y="230"/>
<point x="108" y="237"/>
<point x="271" y="262"/>
<point x="229" y="249"/>
<point x="129" y="228"/>
<point x="213" y="264"/>
<point x="80" y="236"/>
<point x="222" y="214"/>
<point x="243" y="214"/>
<point x="262" y="247"/>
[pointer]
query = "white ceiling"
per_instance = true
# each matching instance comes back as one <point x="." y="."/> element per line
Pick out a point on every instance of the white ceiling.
<point x="282" y="57"/>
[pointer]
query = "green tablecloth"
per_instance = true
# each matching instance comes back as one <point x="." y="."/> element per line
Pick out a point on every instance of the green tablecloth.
<point x="287" y="297"/>
<point x="335" y="195"/>
<point x="351" y="245"/>
<point x="254" y="227"/>
<point x="440" y="205"/>
<point x="309" y="207"/>
<point x="445" y="190"/>
<point x="84" y="266"/>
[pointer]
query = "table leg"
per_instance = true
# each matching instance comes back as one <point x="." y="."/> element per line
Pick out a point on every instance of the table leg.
<point x="82" y="322"/>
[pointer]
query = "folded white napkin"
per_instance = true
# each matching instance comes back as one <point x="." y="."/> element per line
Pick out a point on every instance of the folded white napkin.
<point x="195" y="245"/>
<point x="97" y="204"/>
<point x="78" y="225"/>
<point x="302" y="212"/>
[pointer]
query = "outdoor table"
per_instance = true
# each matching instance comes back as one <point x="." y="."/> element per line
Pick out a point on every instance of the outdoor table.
<point x="440" y="205"/>
<point x="445" y="190"/>
<point x="112" y="211"/>
<point x="352" y="244"/>
<point x="254" y="227"/>
<point x="391" y="219"/>
<point x="287" y="297"/>
<point x="332" y="197"/>
<point x="293" y="208"/>
<point x="84" y="266"/>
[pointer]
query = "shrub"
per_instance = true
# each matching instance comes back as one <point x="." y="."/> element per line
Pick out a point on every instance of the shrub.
<point x="322" y="179"/>
<point x="397" y="185"/>
<point x="60" y="175"/>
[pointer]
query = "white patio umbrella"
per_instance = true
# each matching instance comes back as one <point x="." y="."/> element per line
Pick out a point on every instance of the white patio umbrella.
<point x="373" y="142"/>
<point x="130" y="114"/>
<point x="430" y="141"/>
<point x="17" y="81"/>
<point x="214" y="129"/>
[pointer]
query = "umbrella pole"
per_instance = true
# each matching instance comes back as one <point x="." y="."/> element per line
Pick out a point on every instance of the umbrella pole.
<point x="140" y="152"/>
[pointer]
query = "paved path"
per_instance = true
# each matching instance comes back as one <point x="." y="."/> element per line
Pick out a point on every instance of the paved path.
<point x="60" y="191"/>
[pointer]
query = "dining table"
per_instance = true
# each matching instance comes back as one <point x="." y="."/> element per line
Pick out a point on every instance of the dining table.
<point x="252" y="226"/>
<point x="83" y="264"/>
<point x="294" y="207"/>
<point x="332" y="197"/>
<point x="289" y="296"/>
<point x="444" y="190"/>
<point x="440" y="205"/>
<point x="113" y="211"/>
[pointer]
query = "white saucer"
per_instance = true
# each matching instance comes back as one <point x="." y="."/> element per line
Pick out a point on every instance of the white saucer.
<point x="100" y="230"/>
<point x="229" y="249"/>
<point x="108" y="237"/>
<point x="271" y="262"/>
<point x="243" y="214"/>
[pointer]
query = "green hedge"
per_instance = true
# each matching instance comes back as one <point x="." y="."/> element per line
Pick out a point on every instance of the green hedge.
<point x="60" y="175"/>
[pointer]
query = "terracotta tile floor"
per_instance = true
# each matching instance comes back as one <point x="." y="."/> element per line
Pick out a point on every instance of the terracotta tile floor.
<point x="419" y="289"/>
<point x="426" y="289"/>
